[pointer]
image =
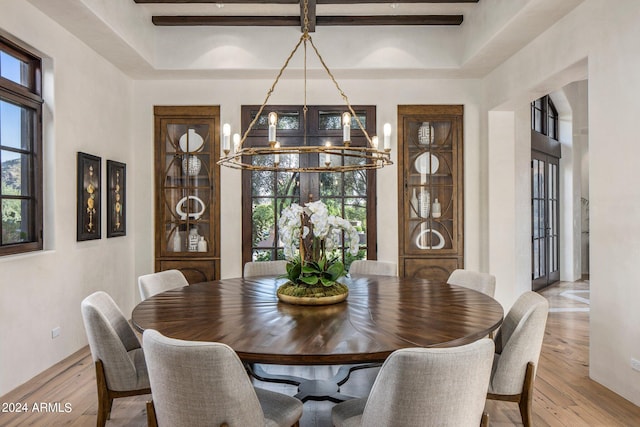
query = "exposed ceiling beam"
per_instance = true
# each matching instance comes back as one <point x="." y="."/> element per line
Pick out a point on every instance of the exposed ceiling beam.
<point x="392" y="1"/>
<point x="391" y="20"/>
<point x="298" y="1"/>
<point x="228" y="21"/>
<point x="286" y="21"/>
<point x="220" y="1"/>
<point x="313" y="19"/>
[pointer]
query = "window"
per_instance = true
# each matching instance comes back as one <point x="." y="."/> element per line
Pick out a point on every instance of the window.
<point x="348" y="194"/>
<point x="20" y="150"/>
<point x="544" y="117"/>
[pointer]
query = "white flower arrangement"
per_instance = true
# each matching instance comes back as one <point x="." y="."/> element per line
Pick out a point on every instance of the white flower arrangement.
<point x="308" y="233"/>
<point x="326" y="228"/>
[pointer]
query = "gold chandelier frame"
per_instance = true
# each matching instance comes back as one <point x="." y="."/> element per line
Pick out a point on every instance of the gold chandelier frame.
<point x="371" y="155"/>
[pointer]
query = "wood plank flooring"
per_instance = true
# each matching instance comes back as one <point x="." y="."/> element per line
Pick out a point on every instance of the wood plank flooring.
<point x="564" y="394"/>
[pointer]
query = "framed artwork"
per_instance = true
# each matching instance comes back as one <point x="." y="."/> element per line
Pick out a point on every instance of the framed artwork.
<point x="89" y="183"/>
<point x="116" y="199"/>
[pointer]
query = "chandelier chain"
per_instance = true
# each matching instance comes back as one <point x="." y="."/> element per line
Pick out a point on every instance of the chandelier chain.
<point x="365" y="157"/>
<point x="344" y="95"/>
<point x="305" y="9"/>
<point x="270" y="91"/>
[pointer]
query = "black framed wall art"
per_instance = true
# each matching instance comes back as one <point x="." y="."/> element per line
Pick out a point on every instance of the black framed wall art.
<point x="116" y="199"/>
<point x="89" y="185"/>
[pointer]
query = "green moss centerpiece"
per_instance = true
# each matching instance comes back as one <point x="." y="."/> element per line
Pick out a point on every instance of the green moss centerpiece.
<point x="309" y="235"/>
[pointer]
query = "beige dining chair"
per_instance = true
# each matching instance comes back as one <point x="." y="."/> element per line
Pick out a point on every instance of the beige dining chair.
<point x="119" y="360"/>
<point x="198" y="384"/>
<point x="155" y="283"/>
<point x="425" y="387"/>
<point x="481" y="282"/>
<point x="265" y="268"/>
<point x="518" y="346"/>
<point x="379" y="268"/>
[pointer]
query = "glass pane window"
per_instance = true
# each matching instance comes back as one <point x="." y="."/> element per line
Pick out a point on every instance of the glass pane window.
<point x="287" y="120"/>
<point x="16" y="221"/>
<point x="544" y="117"/>
<point x="344" y="193"/>
<point x="20" y="151"/>
<point x="332" y="120"/>
<point x="16" y="125"/>
<point x="15" y="174"/>
<point x="14" y="69"/>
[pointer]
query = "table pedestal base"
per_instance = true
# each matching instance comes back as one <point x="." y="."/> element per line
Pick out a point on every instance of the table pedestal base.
<point x="328" y="389"/>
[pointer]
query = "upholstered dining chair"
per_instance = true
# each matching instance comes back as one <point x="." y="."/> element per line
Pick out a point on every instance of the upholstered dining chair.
<point x="380" y="268"/>
<point x="481" y="282"/>
<point x="264" y="268"/>
<point x="205" y="384"/>
<point x="119" y="360"/>
<point x="154" y="283"/>
<point x="518" y="345"/>
<point x="425" y="387"/>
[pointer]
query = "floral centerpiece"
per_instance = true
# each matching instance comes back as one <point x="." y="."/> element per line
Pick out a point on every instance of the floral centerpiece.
<point x="309" y="235"/>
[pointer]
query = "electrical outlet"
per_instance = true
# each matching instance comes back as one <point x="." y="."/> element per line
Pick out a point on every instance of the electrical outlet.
<point x="635" y="364"/>
<point x="55" y="333"/>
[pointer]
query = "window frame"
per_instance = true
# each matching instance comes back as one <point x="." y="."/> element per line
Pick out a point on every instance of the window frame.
<point x="545" y="121"/>
<point x="27" y="96"/>
<point x="308" y="181"/>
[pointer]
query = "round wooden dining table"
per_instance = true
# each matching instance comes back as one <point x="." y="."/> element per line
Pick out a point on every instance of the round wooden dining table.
<point x="381" y="314"/>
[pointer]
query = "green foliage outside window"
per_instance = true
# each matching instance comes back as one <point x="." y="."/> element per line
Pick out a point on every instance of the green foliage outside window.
<point x="11" y="209"/>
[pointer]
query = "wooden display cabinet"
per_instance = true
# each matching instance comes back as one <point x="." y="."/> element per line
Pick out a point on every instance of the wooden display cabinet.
<point x="187" y="191"/>
<point x="430" y="176"/>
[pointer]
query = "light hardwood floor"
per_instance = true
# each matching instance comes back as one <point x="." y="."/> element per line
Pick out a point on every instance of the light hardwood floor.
<point x="564" y="394"/>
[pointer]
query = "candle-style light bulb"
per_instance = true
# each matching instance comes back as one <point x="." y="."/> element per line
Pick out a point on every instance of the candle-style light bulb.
<point x="236" y="142"/>
<point x="374" y="142"/>
<point x="387" y="136"/>
<point x="346" y="127"/>
<point x="276" y="157"/>
<point x="273" y="121"/>
<point x="327" y="156"/>
<point x="226" y="143"/>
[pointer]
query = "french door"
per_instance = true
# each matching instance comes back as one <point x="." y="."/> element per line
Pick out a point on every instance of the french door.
<point x="545" y="215"/>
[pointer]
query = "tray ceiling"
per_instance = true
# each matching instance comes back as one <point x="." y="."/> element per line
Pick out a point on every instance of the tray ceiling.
<point x="321" y="12"/>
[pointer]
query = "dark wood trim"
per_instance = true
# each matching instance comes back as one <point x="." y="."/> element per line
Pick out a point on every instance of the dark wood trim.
<point x="106" y="396"/>
<point x="28" y="97"/>
<point x="231" y="21"/>
<point x="298" y="1"/>
<point x="525" y="398"/>
<point x="392" y="1"/>
<point x="152" y="419"/>
<point x="294" y="21"/>
<point x="391" y="20"/>
<point x="433" y="265"/>
<point x="196" y="266"/>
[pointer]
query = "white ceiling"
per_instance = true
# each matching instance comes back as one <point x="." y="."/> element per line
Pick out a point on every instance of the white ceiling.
<point x="122" y="32"/>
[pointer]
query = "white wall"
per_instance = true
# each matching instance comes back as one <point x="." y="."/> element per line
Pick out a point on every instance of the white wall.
<point x="577" y="96"/>
<point x="509" y="202"/>
<point x="87" y="108"/>
<point x="606" y="39"/>
<point x="232" y="94"/>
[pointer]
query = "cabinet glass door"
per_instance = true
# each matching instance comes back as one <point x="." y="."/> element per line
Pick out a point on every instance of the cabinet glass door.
<point x="430" y="198"/>
<point x="187" y="188"/>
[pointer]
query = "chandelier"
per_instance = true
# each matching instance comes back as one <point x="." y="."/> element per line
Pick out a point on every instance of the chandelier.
<point x="350" y="158"/>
